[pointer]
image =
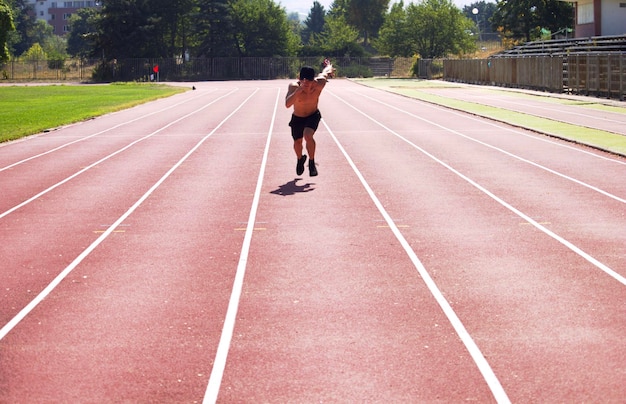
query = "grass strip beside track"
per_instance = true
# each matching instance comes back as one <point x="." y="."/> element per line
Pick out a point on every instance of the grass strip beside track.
<point x="26" y="110"/>
<point x="603" y="140"/>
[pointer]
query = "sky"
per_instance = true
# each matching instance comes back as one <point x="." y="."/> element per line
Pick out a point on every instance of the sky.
<point x="303" y="7"/>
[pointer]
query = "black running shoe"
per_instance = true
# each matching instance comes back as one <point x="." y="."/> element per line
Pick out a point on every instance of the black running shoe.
<point x="312" y="168"/>
<point x="300" y="165"/>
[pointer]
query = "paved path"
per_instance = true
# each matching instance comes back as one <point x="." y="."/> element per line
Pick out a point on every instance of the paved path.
<point x="169" y="253"/>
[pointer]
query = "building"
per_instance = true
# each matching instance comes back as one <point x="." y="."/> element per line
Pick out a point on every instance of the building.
<point x="57" y="13"/>
<point x="599" y="17"/>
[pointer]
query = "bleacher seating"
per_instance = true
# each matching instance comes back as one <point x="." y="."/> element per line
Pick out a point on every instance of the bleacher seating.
<point x="560" y="47"/>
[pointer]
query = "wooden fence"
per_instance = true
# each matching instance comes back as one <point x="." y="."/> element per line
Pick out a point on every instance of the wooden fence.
<point x="594" y="74"/>
<point x="597" y="74"/>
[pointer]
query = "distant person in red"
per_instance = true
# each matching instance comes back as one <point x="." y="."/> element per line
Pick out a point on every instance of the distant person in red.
<point x="304" y="96"/>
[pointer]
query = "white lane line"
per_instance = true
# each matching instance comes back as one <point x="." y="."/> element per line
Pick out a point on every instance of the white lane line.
<point x="59" y="278"/>
<point x="527" y="218"/>
<point x="544" y="138"/>
<point x="94" y="134"/>
<point x="584" y="184"/>
<point x="58" y="184"/>
<point x="219" y="363"/>
<point x="471" y="116"/>
<point x="485" y="369"/>
<point x="563" y="111"/>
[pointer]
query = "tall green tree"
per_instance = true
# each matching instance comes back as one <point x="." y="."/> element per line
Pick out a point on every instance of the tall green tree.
<point x="431" y="29"/>
<point x="524" y="19"/>
<point x="367" y="16"/>
<point x="35" y="53"/>
<point x="293" y="19"/>
<point x="393" y="39"/>
<point x="338" y="38"/>
<point x="482" y="17"/>
<point x="260" y="28"/>
<point x="314" y="23"/>
<point x="338" y="8"/>
<point x="438" y="28"/>
<point x="81" y="40"/>
<point x="173" y="25"/>
<point x="6" y="25"/>
<point x="24" y="19"/>
<point x="127" y="29"/>
<point x="212" y="29"/>
<point x="41" y="32"/>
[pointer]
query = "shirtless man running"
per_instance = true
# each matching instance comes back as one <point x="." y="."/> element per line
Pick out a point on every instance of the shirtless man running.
<point x="304" y="96"/>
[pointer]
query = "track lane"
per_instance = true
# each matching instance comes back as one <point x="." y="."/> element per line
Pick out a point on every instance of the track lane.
<point x="338" y="312"/>
<point x="38" y="226"/>
<point x="30" y="167"/>
<point x="32" y="147"/>
<point x="331" y="306"/>
<point x="544" y="152"/>
<point x="56" y="225"/>
<point x="467" y="254"/>
<point x="131" y="315"/>
<point x="577" y="211"/>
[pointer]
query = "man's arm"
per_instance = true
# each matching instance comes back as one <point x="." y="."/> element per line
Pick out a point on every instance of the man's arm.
<point x="322" y="78"/>
<point x="291" y="94"/>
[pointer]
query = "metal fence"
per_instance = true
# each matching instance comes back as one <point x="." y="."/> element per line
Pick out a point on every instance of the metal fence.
<point x="597" y="74"/>
<point x="177" y="69"/>
<point x="48" y="70"/>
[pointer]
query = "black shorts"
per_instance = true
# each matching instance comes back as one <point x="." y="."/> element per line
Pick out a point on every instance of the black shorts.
<point x="298" y="124"/>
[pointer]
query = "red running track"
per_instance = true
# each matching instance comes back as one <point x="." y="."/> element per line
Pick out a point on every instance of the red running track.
<point x="169" y="253"/>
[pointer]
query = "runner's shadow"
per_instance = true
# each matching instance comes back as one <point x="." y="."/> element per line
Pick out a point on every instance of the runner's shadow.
<point x="291" y="188"/>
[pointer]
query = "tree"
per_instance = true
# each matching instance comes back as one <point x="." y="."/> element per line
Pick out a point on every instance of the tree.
<point x="314" y="23"/>
<point x="35" y="53"/>
<point x="482" y="17"/>
<point x="127" y="29"/>
<point x="438" y="28"/>
<point x="81" y="40"/>
<point x="524" y="19"/>
<point x="431" y="29"/>
<point x="55" y="48"/>
<point x="6" y="25"/>
<point x="24" y="19"/>
<point x="558" y="16"/>
<point x="367" y="16"/>
<point x="339" y="8"/>
<point x="212" y="29"/>
<point x="393" y="38"/>
<point x="260" y="28"/>
<point x="338" y="38"/>
<point x="172" y="26"/>
<point x="41" y="32"/>
<point x="293" y="19"/>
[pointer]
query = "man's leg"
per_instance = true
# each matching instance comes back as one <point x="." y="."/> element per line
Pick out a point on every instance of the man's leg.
<point x="297" y="147"/>
<point x="310" y="142"/>
<point x="310" y="148"/>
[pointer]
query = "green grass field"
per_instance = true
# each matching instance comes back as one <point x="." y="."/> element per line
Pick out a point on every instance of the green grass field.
<point x="26" y="110"/>
<point x="595" y="138"/>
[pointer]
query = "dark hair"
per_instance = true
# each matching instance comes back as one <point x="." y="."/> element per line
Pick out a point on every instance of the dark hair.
<point x="307" y="73"/>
